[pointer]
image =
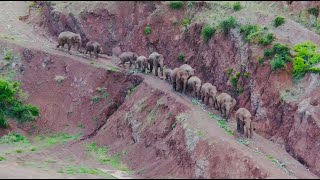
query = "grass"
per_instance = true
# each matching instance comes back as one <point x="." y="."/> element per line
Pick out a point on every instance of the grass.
<point x="95" y="99"/>
<point x="236" y="6"/>
<point x="132" y="89"/>
<point x="243" y="141"/>
<point x="176" y="4"/>
<point x="19" y="151"/>
<point x="2" y="158"/>
<point x="101" y="154"/>
<point x="207" y="32"/>
<point x="81" y="126"/>
<point x="228" y="24"/>
<point x="260" y="60"/>
<point x="59" y="79"/>
<point x="73" y="170"/>
<point x="54" y="139"/>
<point x="267" y="39"/>
<point x="229" y="71"/>
<point x="186" y="22"/>
<point x="222" y="123"/>
<point x="147" y="30"/>
<point x="277" y="63"/>
<point x="8" y="55"/>
<point x="278" y="21"/>
<point x="314" y="11"/>
<point x="181" y="57"/>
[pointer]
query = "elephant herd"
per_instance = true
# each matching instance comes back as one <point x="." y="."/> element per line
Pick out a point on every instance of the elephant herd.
<point x="182" y="79"/>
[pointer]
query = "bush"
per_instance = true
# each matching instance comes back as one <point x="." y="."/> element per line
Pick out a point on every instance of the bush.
<point x="236" y="6"/>
<point x="299" y="68"/>
<point x="186" y="22"/>
<point x="267" y="39"/>
<point x="176" y="4"/>
<point x="250" y="32"/>
<point x="229" y="71"/>
<point x="7" y="54"/>
<point x="181" y="57"/>
<point x="207" y="32"/>
<point x="314" y="70"/>
<point x="314" y="11"/>
<point x="277" y="63"/>
<point x="260" y="60"/>
<point x="147" y="30"/>
<point x="282" y="50"/>
<point x="278" y="21"/>
<point x="11" y="105"/>
<point x="228" y="24"/>
<point x="246" y="74"/>
<point x="268" y="53"/>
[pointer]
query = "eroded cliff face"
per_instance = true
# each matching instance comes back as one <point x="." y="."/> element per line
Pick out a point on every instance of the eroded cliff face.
<point x="120" y="27"/>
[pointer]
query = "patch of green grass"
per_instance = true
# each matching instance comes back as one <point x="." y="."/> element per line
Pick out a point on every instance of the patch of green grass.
<point x="222" y="123"/>
<point x="277" y="63"/>
<point x="54" y="139"/>
<point x="250" y="32"/>
<point x="101" y="153"/>
<point x="200" y="133"/>
<point x="236" y="6"/>
<point x="73" y="170"/>
<point x="246" y="74"/>
<point x="181" y="56"/>
<point x="207" y="32"/>
<point x="132" y="89"/>
<point x="260" y="60"/>
<point x="19" y="151"/>
<point x="186" y="22"/>
<point x="50" y="161"/>
<point x="95" y="99"/>
<point x="81" y="126"/>
<point x="147" y="30"/>
<point x="13" y="138"/>
<point x="176" y="4"/>
<point x="2" y="158"/>
<point x="314" y="11"/>
<point x="267" y="39"/>
<point x="228" y="24"/>
<point x="229" y="71"/>
<point x="8" y="55"/>
<point x="278" y="21"/>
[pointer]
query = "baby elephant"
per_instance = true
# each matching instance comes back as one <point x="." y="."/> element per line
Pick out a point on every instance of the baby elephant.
<point x="167" y="73"/>
<point x="128" y="57"/>
<point x="142" y="63"/>
<point x="194" y="84"/>
<point x="69" y="38"/>
<point x="179" y="79"/>
<point x="244" y="122"/>
<point x="93" y="46"/>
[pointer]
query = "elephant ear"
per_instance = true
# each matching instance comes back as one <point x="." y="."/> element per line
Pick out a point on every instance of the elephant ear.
<point x="234" y="102"/>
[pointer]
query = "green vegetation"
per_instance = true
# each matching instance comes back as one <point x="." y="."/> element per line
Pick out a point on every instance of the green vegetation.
<point x="101" y="153"/>
<point x="7" y="54"/>
<point x="132" y="89"/>
<point x="236" y="6"/>
<point x="207" y="32"/>
<point x="278" y="21"/>
<point x="59" y="79"/>
<point x="186" y="22"/>
<point x="84" y="170"/>
<point x="246" y="74"/>
<point x="307" y="56"/>
<point x="95" y="99"/>
<point x="243" y="141"/>
<point x="53" y="139"/>
<point x="176" y="4"/>
<point x="12" y="106"/>
<point x="260" y="60"/>
<point x="314" y="11"/>
<point x="228" y="24"/>
<point x="147" y="30"/>
<point x="181" y="57"/>
<point x="222" y="123"/>
<point x="2" y="158"/>
<point x="229" y="71"/>
<point x="13" y="138"/>
<point x="19" y="151"/>
<point x="267" y="39"/>
<point x="277" y="63"/>
<point x="280" y="54"/>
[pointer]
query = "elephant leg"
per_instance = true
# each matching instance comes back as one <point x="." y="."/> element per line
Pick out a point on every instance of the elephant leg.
<point x="238" y="125"/>
<point x="96" y="53"/>
<point x="69" y="48"/>
<point x="184" y="87"/>
<point x="241" y="127"/>
<point x="161" y="70"/>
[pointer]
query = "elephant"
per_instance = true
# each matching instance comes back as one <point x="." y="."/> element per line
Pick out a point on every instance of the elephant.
<point x="188" y="68"/>
<point x="167" y="73"/>
<point x="226" y="104"/>
<point x="207" y="90"/>
<point x="155" y="61"/>
<point x="194" y="83"/>
<point x="142" y="63"/>
<point x="128" y="57"/>
<point x="179" y="78"/>
<point x="93" y="46"/>
<point x="244" y="122"/>
<point x="70" y="39"/>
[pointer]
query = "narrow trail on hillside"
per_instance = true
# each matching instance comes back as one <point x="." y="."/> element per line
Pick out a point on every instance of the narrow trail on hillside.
<point x="25" y="35"/>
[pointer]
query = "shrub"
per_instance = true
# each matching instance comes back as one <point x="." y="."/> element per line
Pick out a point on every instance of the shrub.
<point x="314" y="11"/>
<point x="250" y="32"/>
<point x="2" y="158"/>
<point x="236" y="6"/>
<point x="176" y="4"/>
<point x="147" y="30"/>
<point x="181" y="57"/>
<point x="267" y="39"/>
<point x="282" y="50"/>
<point x="278" y="21"/>
<point x="25" y="113"/>
<point x="228" y="24"/>
<point x="246" y="74"/>
<point x="314" y="70"/>
<point x="207" y="32"/>
<point x="299" y="67"/>
<point x="268" y="53"/>
<point x="277" y="63"/>
<point x="260" y="60"/>
<point x="229" y="71"/>
<point x="186" y="22"/>
<point x="7" y="54"/>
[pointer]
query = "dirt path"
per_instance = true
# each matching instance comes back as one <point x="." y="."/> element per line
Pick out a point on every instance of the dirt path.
<point x="25" y="35"/>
